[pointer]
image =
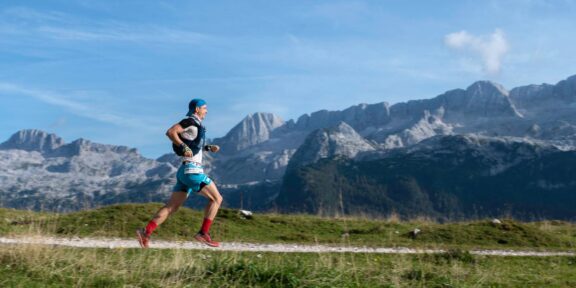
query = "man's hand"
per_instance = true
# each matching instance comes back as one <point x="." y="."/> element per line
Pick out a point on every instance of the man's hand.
<point x="186" y="150"/>
<point x="212" y="148"/>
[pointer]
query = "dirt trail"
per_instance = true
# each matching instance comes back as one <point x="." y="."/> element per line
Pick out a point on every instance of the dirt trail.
<point x="113" y="243"/>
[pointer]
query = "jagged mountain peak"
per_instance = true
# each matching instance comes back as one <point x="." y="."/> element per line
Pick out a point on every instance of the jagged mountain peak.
<point x="358" y="116"/>
<point x="33" y="140"/>
<point x="51" y="145"/>
<point x="81" y="142"/>
<point x="480" y="88"/>
<point x="339" y="140"/>
<point x="489" y="99"/>
<point x="343" y="128"/>
<point x="53" y="173"/>
<point x="530" y="91"/>
<point x="265" y="116"/>
<point x="549" y="97"/>
<point x="86" y="145"/>
<point x="481" y="99"/>
<point x="566" y="89"/>
<point x="571" y="79"/>
<point x="252" y="130"/>
<point x="260" y="118"/>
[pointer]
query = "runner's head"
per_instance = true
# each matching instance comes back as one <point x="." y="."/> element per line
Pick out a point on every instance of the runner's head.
<point x="197" y="107"/>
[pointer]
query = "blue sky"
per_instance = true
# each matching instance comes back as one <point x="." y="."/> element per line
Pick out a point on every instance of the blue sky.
<point x="122" y="72"/>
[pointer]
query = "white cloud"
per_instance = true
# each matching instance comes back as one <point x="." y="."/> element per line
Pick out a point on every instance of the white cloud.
<point x="61" y="121"/>
<point x="75" y="107"/>
<point x="35" y="24"/>
<point x="30" y="15"/>
<point x="491" y="48"/>
<point x="124" y="33"/>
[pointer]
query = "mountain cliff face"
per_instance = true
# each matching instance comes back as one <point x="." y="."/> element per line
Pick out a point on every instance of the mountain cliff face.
<point x="46" y="173"/>
<point x="33" y="140"/>
<point x="487" y="99"/>
<point x="432" y="157"/>
<point x="480" y="100"/>
<point x="252" y="130"/>
<point x="446" y="177"/>
<point x="484" y="108"/>
<point x="359" y="117"/>
<point x="341" y="140"/>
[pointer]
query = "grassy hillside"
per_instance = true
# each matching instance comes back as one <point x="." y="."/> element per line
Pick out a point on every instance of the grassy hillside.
<point x="123" y="220"/>
<point x="46" y="266"/>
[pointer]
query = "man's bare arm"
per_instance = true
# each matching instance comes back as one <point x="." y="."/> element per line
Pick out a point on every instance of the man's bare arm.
<point x="172" y="134"/>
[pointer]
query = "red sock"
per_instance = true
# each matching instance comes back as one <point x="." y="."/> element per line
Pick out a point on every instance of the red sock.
<point x="206" y="225"/>
<point x="151" y="227"/>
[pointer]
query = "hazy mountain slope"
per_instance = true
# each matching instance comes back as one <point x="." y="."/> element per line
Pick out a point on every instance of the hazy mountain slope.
<point x="450" y="177"/>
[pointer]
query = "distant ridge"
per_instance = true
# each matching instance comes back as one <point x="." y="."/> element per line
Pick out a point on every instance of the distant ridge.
<point x="465" y="153"/>
<point x="33" y="140"/>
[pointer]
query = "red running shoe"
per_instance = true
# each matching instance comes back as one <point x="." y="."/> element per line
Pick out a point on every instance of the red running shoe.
<point x="205" y="238"/>
<point x="143" y="239"/>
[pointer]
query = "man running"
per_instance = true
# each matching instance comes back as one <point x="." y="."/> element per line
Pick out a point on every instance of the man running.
<point x="188" y="138"/>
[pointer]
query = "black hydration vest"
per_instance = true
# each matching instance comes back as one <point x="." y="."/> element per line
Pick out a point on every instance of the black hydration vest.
<point x="196" y="145"/>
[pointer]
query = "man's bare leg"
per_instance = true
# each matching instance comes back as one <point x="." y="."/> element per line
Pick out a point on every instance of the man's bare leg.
<point x="176" y="200"/>
<point x="214" y="201"/>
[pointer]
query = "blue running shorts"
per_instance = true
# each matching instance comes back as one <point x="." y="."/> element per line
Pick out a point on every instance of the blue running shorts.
<point x="191" y="178"/>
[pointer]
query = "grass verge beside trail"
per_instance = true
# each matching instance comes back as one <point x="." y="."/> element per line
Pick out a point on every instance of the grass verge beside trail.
<point x="42" y="266"/>
<point x="123" y="220"/>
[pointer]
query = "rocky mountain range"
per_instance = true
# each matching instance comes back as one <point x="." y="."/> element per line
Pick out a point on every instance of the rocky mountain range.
<point x="39" y="171"/>
<point x="443" y="177"/>
<point x="482" y="132"/>
<point x="543" y="112"/>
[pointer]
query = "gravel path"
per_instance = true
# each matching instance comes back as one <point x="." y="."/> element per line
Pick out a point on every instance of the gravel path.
<point x="113" y="243"/>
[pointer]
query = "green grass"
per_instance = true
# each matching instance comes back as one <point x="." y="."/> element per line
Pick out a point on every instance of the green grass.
<point x="45" y="266"/>
<point x="123" y="220"/>
<point x="41" y="266"/>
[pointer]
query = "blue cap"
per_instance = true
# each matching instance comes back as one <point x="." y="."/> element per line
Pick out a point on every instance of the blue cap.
<point x="193" y="105"/>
